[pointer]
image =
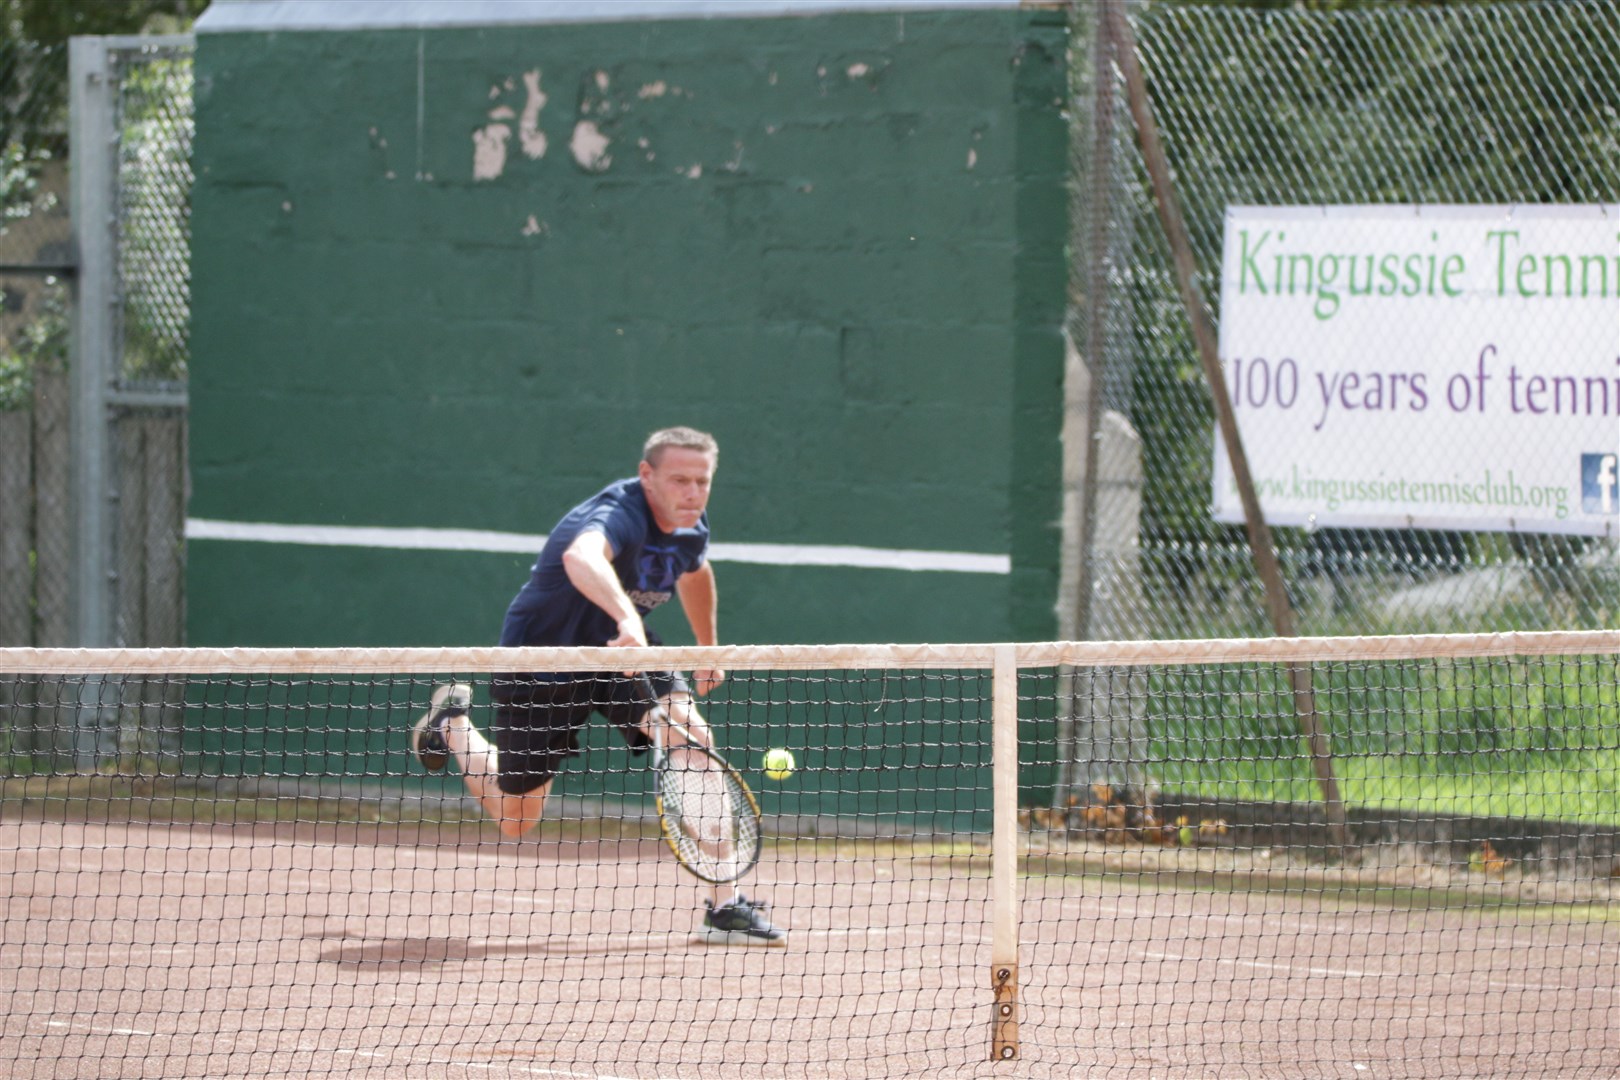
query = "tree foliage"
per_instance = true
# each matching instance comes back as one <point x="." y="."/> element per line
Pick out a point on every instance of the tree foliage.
<point x="52" y="22"/>
<point x="33" y="57"/>
<point x="34" y="37"/>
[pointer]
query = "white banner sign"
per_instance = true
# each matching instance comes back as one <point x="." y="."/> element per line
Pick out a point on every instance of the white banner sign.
<point x="1425" y="367"/>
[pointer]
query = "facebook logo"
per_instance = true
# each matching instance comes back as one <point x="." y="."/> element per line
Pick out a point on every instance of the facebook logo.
<point x="1600" y="484"/>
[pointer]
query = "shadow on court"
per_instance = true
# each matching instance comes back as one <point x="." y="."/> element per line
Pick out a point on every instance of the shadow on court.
<point x="428" y="952"/>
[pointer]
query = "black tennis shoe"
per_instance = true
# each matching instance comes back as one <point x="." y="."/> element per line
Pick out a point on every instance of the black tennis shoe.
<point x="427" y="737"/>
<point x="741" y="922"/>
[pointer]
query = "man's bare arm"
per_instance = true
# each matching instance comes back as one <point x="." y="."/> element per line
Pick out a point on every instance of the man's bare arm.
<point x="589" y="565"/>
<point x="700" y="600"/>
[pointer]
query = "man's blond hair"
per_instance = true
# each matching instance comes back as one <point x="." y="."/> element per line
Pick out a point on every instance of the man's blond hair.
<point x="684" y="438"/>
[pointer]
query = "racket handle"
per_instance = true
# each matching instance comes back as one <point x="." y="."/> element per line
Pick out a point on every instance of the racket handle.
<point x="661" y="714"/>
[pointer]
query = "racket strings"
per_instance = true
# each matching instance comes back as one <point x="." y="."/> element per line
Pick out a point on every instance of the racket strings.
<point x="715" y="831"/>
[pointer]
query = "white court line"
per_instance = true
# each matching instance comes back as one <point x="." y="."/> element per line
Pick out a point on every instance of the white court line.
<point x="885" y="931"/>
<point x="1118" y="910"/>
<point x="429" y="539"/>
<point x="567" y="939"/>
<point x="1351" y="973"/>
<point x="527" y="1070"/>
<point x="149" y="952"/>
<point x="517" y="901"/>
<point x="683" y="935"/>
<point x="94" y="1030"/>
<point x="486" y="1065"/>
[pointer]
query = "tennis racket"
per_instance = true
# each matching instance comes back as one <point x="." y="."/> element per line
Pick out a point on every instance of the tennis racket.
<point x="708" y="816"/>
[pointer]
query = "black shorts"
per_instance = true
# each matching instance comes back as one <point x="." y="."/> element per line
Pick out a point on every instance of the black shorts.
<point x="538" y="719"/>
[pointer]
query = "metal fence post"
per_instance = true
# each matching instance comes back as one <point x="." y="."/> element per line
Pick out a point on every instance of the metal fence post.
<point x="93" y="135"/>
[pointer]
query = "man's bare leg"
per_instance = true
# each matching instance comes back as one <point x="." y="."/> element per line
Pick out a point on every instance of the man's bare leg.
<point x="689" y="727"/>
<point x="732" y="919"/>
<point x="446" y="731"/>
<point x="478" y="760"/>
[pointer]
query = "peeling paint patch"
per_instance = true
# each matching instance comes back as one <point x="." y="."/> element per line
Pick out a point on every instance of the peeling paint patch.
<point x="602" y="81"/>
<point x="973" y="157"/>
<point x="503" y="113"/>
<point x="653" y="90"/>
<point x="869" y="69"/>
<point x="532" y="139"/>
<point x="693" y="172"/>
<point x="489" y="151"/>
<point x="589" y="147"/>
<point x="535" y="227"/>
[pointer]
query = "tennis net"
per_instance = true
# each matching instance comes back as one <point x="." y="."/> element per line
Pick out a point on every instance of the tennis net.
<point x="1311" y="857"/>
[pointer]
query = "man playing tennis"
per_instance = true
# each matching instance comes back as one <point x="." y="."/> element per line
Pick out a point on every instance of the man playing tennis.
<point x="609" y="562"/>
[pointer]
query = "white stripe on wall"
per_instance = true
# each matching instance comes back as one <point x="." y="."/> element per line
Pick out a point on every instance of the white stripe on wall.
<point x="268" y="16"/>
<point x="376" y="536"/>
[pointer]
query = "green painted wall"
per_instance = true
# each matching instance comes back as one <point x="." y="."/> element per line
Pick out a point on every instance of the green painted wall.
<point x="836" y="242"/>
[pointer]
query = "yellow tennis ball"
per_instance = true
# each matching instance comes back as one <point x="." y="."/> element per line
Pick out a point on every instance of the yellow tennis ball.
<point x="779" y="763"/>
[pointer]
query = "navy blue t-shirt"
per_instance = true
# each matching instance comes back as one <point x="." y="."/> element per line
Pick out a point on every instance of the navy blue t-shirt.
<point x="548" y="610"/>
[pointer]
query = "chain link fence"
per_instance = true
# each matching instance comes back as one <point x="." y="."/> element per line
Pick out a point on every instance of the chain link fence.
<point x="153" y="244"/>
<point x="35" y="304"/>
<point x="36" y="248"/>
<point x="155" y="126"/>
<point x="135" y="372"/>
<point x="1477" y="104"/>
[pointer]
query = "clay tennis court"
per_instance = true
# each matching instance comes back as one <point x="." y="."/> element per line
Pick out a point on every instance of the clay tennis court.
<point x="136" y="950"/>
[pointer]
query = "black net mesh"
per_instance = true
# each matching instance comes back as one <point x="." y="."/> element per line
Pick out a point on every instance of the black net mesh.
<point x="253" y="874"/>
